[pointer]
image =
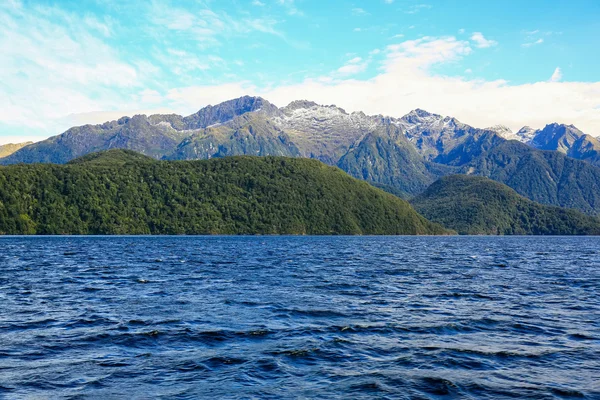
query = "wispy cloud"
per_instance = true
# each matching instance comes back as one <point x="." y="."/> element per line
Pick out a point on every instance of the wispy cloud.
<point x="353" y="66"/>
<point x="536" y="42"/>
<point x="53" y="65"/>
<point x="290" y="6"/>
<point x="556" y="75"/>
<point x="359" y="12"/>
<point x="417" y="7"/>
<point x="205" y="25"/>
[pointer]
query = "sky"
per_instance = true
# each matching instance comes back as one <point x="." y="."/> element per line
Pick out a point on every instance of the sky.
<point x="71" y="62"/>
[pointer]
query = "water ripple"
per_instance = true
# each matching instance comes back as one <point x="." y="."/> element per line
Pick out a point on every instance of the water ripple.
<point x="300" y="317"/>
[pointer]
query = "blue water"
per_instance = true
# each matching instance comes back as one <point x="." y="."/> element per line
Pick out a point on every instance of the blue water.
<point x="300" y="317"/>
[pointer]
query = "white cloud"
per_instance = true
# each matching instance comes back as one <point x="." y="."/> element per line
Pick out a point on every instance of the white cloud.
<point x="556" y="75"/>
<point x="481" y="41"/>
<point x="352" y="69"/>
<point x="354" y="66"/>
<point x="258" y="3"/>
<point x="94" y="24"/>
<point x="188" y="100"/>
<point x="388" y="1"/>
<point x="529" y="44"/>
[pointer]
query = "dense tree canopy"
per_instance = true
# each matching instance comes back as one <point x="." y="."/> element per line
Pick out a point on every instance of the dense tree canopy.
<point x="121" y="192"/>
<point x="476" y="205"/>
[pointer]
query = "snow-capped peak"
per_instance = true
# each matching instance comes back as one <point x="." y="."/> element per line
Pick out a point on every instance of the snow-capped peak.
<point x="526" y="134"/>
<point x="503" y="131"/>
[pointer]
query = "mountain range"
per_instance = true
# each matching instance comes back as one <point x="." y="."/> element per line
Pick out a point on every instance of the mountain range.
<point x="558" y="165"/>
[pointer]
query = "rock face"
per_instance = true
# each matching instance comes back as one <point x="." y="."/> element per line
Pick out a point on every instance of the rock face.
<point x="440" y="139"/>
<point x="556" y="137"/>
<point x="586" y="148"/>
<point x="525" y="134"/>
<point x="504" y="132"/>
<point x="566" y="139"/>
<point x="405" y="154"/>
<point x="9" y="148"/>
<point x="324" y="132"/>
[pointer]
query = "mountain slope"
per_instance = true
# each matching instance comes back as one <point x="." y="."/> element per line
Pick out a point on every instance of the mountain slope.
<point x="547" y="177"/>
<point x="148" y="135"/>
<point x="325" y="132"/>
<point x="556" y="137"/>
<point x="116" y="192"/>
<point x="475" y="205"/>
<point x="435" y="136"/>
<point x="248" y="134"/>
<point x="568" y="140"/>
<point x="386" y="157"/>
<point x="586" y="148"/>
<point x="10" y="148"/>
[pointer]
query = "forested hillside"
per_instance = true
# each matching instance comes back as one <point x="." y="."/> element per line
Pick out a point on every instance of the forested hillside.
<point x="121" y="192"/>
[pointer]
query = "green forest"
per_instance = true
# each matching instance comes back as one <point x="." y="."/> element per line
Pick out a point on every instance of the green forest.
<point x="122" y="192"/>
<point x="479" y="206"/>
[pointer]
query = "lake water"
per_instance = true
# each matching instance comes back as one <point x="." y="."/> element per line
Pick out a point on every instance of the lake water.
<point x="300" y="317"/>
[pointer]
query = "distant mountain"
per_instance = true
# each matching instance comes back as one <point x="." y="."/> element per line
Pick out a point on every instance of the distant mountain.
<point x="156" y="136"/>
<point x="8" y="149"/>
<point x="504" y="132"/>
<point x="435" y="136"/>
<point x="385" y="156"/>
<point x="547" y="177"/>
<point x="326" y="132"/>
<point x="556" y="137"/>
<point x="525" y="134"/>
<point x="121" y="192"/>
<point x="152" y="136"/>
<point x="479" y="206"/>
<point x="566" y="139"/>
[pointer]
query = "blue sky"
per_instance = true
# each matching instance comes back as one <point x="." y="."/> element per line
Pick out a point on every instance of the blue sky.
<point x="516" y="63"/>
